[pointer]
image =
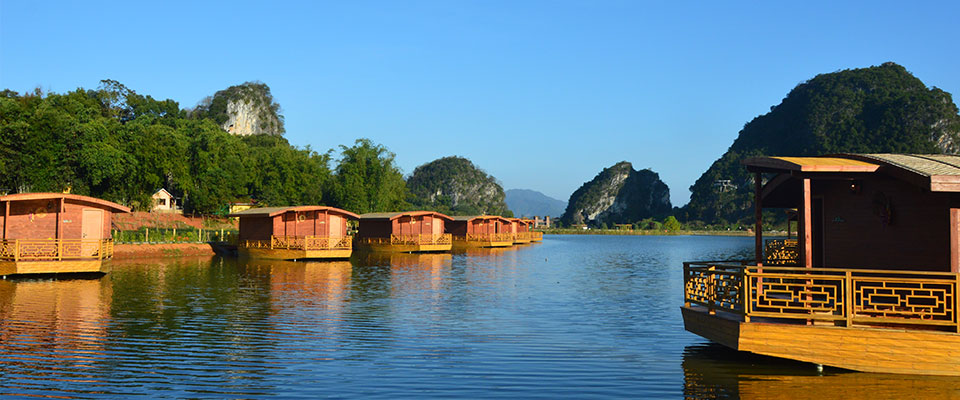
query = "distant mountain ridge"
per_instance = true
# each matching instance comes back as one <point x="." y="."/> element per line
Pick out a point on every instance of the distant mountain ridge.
<point x="527" y="203"/>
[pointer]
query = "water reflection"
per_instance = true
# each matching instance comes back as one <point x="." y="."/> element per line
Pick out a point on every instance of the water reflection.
<point x="712" y="371"/>
<point x="52" y="329"/>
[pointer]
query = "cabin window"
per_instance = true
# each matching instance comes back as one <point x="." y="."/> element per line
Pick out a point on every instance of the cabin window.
<point x="162" y="202"/>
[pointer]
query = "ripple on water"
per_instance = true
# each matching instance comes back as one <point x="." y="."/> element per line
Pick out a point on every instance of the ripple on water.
<point x="572" y="317"/>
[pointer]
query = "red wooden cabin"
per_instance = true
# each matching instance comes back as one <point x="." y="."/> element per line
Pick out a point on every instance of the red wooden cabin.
<point x="295" y="232"/>
<point x="408" y="231"/>
<point x="55" y="232"/>
<point x="870" y="284"/>
<point x="480" y="231"/>
<point x="521" y="230"/>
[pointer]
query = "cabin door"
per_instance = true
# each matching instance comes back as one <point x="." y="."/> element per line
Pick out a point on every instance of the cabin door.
<point x="437" y="226"/>
<point x="91" y="227"/>
<point x="334" y="226"/>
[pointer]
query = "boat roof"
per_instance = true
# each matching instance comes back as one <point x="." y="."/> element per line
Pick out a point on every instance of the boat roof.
<point x="473" y="217"/>
<point x="274" y="211"/>
<point x="810" y="164"/>
<point x="66" y="196"/>
<point x="394" y="215"/>
<point x="522" y="221"/>
<point x="934" y="172"/>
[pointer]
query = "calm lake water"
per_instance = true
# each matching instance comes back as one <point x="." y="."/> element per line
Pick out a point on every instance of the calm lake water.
<point x="572" y="317"/>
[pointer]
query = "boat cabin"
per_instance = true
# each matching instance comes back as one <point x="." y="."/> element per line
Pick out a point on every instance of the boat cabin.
<point x="480" y="231"/>
<point x="295" y="232"/>
<point x="407" y="231"/>
<point x="534" y="235"/>
<point x="871" y="281"/>
<point x="55" y="233"/>
<point x="521" y="230"/>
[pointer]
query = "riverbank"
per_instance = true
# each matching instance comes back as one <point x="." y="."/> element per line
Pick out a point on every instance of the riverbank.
<point x="128" y="251"/>
<point x="641" y="232"/>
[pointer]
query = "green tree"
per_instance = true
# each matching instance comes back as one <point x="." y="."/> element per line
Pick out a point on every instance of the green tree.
<point x="367" y="179"/>
<point x="671" y="224"/>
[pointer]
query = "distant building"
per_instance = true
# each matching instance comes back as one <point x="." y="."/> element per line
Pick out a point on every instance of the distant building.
<point x="163" y="201"/>
<point x="236" y="207"/>
<point x="539" y="223"/>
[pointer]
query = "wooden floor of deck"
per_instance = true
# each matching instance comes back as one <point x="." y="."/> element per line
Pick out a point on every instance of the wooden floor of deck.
<point x="899" y="351"/>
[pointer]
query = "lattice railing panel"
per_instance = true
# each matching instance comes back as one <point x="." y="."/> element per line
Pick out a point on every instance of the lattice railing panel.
<point x="713" y="287"/>
<point x="910" y="299"/>
<point x="788" y="294"/>
<point x="55" y="249"/>
<point x="781" y="252"/>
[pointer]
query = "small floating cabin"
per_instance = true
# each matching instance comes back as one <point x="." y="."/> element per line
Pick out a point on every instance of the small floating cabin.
<point x="534" y="235"/>
<point x="297" y="232"/>
<point x="408" y="231"/>
<point x="47" y="233"/>
<point x="870" y="284"/>
<point x="480" y="231"/>
<point x="521" y="230"/>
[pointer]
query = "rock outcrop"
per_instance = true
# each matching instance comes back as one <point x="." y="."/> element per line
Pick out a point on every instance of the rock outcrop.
<point x="618" y="195"/>
<point x="453" y="185"/>
<point x="247" y="109"/>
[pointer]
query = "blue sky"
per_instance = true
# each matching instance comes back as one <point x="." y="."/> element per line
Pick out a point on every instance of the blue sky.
<point x="540" y="94"/>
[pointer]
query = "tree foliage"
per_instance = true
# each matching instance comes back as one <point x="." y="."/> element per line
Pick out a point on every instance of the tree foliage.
<point x="118" y="145"/>
<point x="368" y="180"/>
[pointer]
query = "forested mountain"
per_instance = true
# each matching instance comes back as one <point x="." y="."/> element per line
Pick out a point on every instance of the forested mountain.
<point x="454" y="186"/>
<point x="121" y="146"/>
<point x="880" y="109"/>
<point x="618" y="195"/>
<point x="527" y="203"/>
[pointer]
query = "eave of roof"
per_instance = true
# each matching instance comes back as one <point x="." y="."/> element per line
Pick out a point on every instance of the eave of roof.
<point x="77" y="197"/>
<point x="809" y="164"/>
<point x="395" y="215"/>
<point x="274" y="211"/>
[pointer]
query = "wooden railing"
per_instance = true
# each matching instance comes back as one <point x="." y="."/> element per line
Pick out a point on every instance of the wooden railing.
<point x="536" y="236"/>
<point x="489" y="237"/>
<point x="55" y="249"/>
<point x="848" y="297"/>
<point x="781" y="252"/>
<point x="301" y="243"/>
<point x="521" y="236"/>
<point x="411" y="240"/>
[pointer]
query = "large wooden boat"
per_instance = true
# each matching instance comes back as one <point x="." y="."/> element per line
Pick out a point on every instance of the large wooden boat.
<point x="480" y="231"/>
<point x="535" y="236"/>
<point x="294" y="233"/>
<point x="405" y="232"/>
<point x="870" y="283"/>
<point x="47" y="233"/>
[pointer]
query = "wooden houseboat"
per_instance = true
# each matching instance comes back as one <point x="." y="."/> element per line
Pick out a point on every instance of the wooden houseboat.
<point x="408" y="231"/>
<point x="535" y="236"/>
<point x="480" y="231"/>
<point x="55" y="233"/>
<point x="521" y="231"/>
<point x="871" y="282"/>
<point x="292" y="233"/>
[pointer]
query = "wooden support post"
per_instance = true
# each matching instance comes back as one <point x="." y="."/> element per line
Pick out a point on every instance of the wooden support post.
<point x="6" y="218"/>
<point x="804" y="238"/>
<point x="805" y="227"/>
<point x="955" y="240"/>
<point x="60" y="220"/>
<point x="758" y="214"/>
<point x="848" y="298"/>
